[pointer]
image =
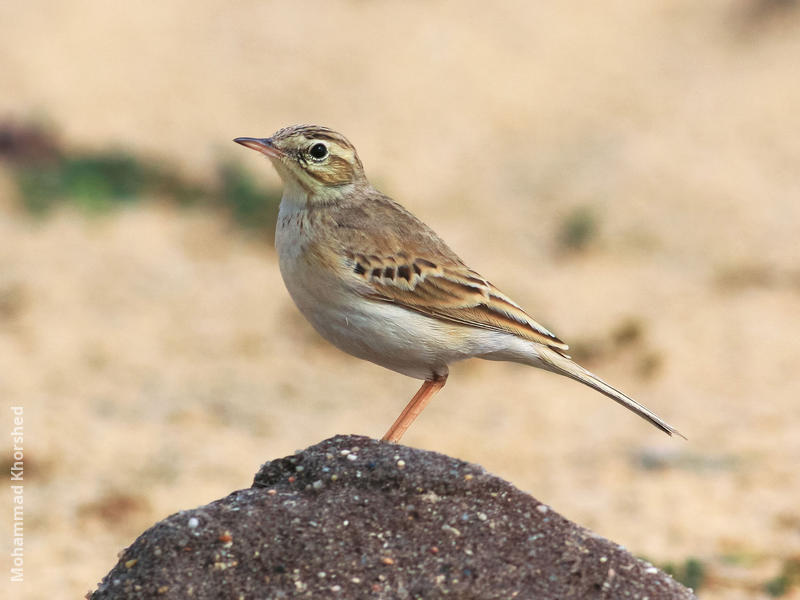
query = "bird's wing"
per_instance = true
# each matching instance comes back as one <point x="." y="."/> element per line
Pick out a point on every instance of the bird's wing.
<point x="394" y="257"/>
<point x="458" y="294"/>
<point x="449" y="291"/>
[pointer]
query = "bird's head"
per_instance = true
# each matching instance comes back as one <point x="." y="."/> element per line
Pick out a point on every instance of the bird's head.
<point x="315" y="163"/>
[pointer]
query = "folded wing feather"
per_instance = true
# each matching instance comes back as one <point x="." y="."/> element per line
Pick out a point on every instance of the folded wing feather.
<point x="451" y="292"/>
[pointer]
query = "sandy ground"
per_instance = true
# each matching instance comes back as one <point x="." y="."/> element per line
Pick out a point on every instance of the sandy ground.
<point x="160" y="361"/>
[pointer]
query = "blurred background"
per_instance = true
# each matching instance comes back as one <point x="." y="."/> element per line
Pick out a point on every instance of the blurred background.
<point x="626" y="170"/>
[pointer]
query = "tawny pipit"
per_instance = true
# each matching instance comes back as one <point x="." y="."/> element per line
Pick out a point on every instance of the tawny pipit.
<point x="381" y="285"/>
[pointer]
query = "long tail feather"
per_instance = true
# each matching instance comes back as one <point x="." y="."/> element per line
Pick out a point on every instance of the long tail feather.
<point x="564" y="366"/>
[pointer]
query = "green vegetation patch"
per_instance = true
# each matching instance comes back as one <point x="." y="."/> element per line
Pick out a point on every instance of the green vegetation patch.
<point x="48" y="175"/>
<point x="691" y="572"/>
<point x="578" y="230"/>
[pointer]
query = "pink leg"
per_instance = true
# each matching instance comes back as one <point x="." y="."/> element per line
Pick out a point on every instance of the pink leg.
<point x="414" y="408"/>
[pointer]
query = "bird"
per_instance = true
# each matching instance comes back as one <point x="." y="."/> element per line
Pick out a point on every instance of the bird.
<point x="381" y="285"/>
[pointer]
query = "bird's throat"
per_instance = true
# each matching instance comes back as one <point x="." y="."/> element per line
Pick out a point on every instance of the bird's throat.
<point x="295" y="196"/>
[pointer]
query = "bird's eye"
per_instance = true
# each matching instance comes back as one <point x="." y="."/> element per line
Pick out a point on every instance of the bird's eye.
<point x="318" y="151"/>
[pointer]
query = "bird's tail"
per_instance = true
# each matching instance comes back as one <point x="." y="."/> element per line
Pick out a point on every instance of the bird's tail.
<point x="558" y="363"/>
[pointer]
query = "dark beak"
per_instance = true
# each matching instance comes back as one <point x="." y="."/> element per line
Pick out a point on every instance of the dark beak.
<point x="263" y="145"/>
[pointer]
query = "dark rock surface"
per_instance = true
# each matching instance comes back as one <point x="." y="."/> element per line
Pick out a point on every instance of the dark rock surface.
<point x="356" y="518"/>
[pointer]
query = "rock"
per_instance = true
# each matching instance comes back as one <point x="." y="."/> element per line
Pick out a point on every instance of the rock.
<point x="353" y="517"/>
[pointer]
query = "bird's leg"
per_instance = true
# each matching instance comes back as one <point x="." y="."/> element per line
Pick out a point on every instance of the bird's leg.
<point x="414" y="408"/>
